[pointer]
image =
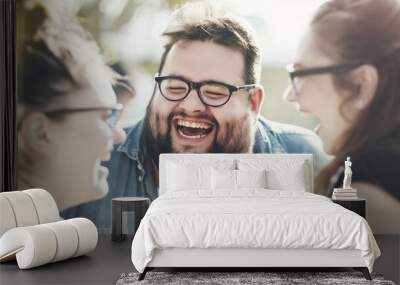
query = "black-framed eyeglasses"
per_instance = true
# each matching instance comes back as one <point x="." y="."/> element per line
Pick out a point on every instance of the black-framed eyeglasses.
<point x="112" y="112"/>
<point x="211" y="93"/>
<point x="295" y="74"/>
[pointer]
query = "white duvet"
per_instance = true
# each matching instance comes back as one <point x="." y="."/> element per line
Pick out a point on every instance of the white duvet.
<point x="252" y="218"/>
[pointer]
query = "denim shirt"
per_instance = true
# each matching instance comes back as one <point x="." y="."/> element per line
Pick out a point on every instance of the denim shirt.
<point x="130" y="172"/>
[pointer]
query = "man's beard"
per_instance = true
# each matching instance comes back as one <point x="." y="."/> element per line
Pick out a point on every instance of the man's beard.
<point x="234" y="136"/>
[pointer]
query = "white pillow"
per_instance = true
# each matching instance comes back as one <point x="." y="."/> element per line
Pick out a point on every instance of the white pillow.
<point x="291" y="179"/>
<point x="227" y="179"/>
<point x="181" y="177"/>
<point x="223" y="179"/>
<point x="282" y="173"/>
<point x="251" y="178"/>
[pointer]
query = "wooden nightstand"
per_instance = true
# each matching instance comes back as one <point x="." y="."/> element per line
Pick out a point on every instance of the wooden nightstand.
<point x="356" y="205"/>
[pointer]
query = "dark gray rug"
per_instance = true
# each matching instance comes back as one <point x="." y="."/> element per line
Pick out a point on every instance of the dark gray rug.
<point x="269" y="278"/>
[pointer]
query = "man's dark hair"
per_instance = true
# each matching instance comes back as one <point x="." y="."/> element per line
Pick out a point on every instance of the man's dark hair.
<point x="203" y="22"/>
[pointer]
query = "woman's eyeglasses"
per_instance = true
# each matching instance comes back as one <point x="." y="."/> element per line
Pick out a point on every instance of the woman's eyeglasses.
<point x="112" y="113"/>
<point x="211" y="93"/>
<point x="295" y="74"/>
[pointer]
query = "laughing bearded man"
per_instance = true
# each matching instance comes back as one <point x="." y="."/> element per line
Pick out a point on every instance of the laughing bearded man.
<point x="207" y="99"/>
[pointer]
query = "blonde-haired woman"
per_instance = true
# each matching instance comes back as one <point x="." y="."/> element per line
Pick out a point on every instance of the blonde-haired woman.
<point x="66" y="114"/>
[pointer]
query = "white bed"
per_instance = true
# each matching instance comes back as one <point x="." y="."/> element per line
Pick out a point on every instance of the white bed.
<point x="202" y="220"/>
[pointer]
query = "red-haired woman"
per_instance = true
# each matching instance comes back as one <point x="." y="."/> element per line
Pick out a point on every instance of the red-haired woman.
<point x="347" y="73"/>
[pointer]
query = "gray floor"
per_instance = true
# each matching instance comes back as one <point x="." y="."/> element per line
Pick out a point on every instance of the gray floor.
<point x="389" y="262"/>
<point x="110" y="260"/>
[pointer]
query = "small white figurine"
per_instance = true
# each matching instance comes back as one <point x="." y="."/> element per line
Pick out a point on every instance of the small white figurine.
<point x="347" y="174"/>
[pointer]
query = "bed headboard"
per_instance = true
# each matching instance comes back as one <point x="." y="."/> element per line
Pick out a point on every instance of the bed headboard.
<point x="234" y="161"/>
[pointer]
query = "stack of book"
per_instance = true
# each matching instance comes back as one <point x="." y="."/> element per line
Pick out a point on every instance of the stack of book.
<point x="344" y="194"/>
